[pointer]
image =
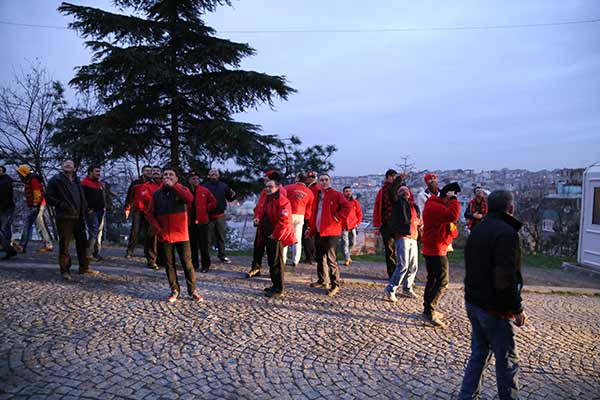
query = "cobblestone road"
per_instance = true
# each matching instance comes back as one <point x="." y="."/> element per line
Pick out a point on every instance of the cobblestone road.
<point x="114" y="336"/>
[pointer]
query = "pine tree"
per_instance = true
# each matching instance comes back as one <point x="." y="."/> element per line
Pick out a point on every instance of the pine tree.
<point x="165" y="80"/>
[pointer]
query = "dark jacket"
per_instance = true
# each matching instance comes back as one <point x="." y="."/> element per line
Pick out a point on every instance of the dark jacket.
<point x="223" y="194"/>
<point x="167" y="213"/>
<point x="6" y="193"/>
<point x="400" y="222"/>
<point x="93" y="190"/>
<point x="493" y="278"/>
<point x="59" y="196"/>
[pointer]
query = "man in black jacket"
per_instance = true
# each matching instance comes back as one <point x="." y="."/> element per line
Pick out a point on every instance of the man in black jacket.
<point x="65" y="194"/>
<point x="93" y="191"/>
<point x="218" y="221"/>
<point x="7" y="209"/>
<point x="493" y="284"/>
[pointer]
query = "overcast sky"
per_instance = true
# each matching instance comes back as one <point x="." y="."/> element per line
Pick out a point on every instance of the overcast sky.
<point x="482" y="99"/>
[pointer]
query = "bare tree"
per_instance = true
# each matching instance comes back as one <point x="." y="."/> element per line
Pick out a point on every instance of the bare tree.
<point x="406" y="167"/>
<point x="29" y="108"/>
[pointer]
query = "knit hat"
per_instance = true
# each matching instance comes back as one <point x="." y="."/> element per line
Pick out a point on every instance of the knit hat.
<point x="451" y="187"/>
<point x="23" y="170"/>
<point x="429" y="176"/>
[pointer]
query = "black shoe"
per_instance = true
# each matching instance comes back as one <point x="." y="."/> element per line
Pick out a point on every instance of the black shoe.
<point x="128" y="255"/>
<point x="273" y="294"/>
<point x="9" y="254"/>
<point x="204" y="270"/>
<point x="269" y="289"/>
<point x="225" y="260"/>
<point x="434" y="320"/>
<point x="66" y="276"/>
<point x="319" y="285"/>
<point x="253" y="272"/>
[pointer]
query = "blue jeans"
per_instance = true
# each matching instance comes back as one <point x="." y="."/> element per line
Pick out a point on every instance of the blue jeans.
<point x="93" y="220"/>
<point x="35" y="216"/>
<point x="491" y="335"/>
<point x="6" y="217"/>
<point x="407" y="259"/>
<point x="347" y="242"/>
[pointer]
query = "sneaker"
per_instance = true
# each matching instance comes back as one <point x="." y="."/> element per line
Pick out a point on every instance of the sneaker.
<point x="46" y="249"/>
<point x="273" y="294"/>
<point x="333" y="291"/>
<point x="434" y="320"/>
<point x="90" y="272"/>
<point x="66" y="276"/>
<point x="195" y="297"/>
<point x="389" y="296"/>
<point x="253" y="272"/>
<point x="319" y="285"/>
<point x="153" y="266"/>
<point x="173" y="297"/>
<point x="225" y="260"/>
<point x="410" y="294"/>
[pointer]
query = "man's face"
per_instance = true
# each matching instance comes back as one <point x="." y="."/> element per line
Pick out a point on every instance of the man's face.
<point x="348" y="193"/>
<point x="213" y="175"/>
<point x="404" y="192"/>
<point x="147" y="172"/>
<point x="271" y="187"/>
<point x="309" y="180"/>
<point x="95" y="174"/>
<point x="432" y="184"/>
<point x="1" y="171"/>
<point x="479" y="193"/>
<point x="169" y="176"/>
<point x="390" y="178"/>
<point x="325" y="181"/>
<point x="194" y="180"/>
<point x="156" y="173"/>
<point x="68" y="166"/>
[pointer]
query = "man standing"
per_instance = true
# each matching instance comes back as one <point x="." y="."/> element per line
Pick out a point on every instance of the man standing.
<point x="308" y="242"/>
<point x="65" y="194"/>
<point x="404" y="226"/>
<point x="301" y="199"/>
<point x="93" y="191"/>
<point x="147" y="190"/>
<point x="439" y="228"/>
<point x="382" y="213"/>
<point x="34" y="197"/>
<point x="168" y="219"/>
<point x="134" y="200"/>
<point x="493" y="285"/>
<point x="349" y="225"/>
<point x="218" y="221"/>
<point x="7" y="209"/>
<point x="477" y="208"/>
<point x="275" y="233"/>
<point x="431" y="181"/>
<point x="204" y="202"/>
<point x="329" y="210"/>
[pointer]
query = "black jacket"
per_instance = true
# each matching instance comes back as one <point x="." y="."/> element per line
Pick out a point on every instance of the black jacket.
<point x="493" y="277"/>
<point x="59" y="196"/>
<point x="222" y="193"/>
<point x="399" y="224"/>
<point x="6" y="193"/>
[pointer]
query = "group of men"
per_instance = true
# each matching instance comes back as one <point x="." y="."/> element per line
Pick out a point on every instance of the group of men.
<point x="308" y="213"/>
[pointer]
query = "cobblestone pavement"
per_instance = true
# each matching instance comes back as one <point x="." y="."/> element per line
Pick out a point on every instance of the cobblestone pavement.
<point x="115" y="336"/>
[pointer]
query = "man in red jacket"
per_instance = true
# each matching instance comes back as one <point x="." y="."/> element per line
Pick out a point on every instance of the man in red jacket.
<point x="308" y="242"/>
<point x="330" y="208"/>
<point x="204" y="202"/>
<point x="439" y="220"/>
<point x="382" y="214"/>
<point x="350" y="224"/>
<point x="167" y="216"/>
<point x="275" y="232"/>
<point x="146" y="191"/>
<point x="301" y="199"/>
<point x="133" y="201"/>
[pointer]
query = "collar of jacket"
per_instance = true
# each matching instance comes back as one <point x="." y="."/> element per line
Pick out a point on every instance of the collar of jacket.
<point x="66" y="179"/>
<point x="509" y="219"/>
<point x="273" y="195"/>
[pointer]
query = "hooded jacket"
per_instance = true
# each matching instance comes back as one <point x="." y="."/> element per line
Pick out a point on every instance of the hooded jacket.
<point x="439" y="226"/>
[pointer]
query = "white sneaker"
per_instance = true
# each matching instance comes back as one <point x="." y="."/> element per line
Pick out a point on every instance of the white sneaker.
<point x="389" y="296"/>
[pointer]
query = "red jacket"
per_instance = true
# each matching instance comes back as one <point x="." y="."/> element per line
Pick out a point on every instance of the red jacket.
<point x="34" y="191"/>
<point x="167" y="213"/>
<point x="278" y="210"/>
<point x="258" y="209"/>
<point x="439" y="226"/>
<point x="135" y="195"/>
<point x="354" y="217"/>
<point x="204" y="201"/>
<point x="335" y="210"/>
<point x="301" y="198"/>
<point x="146" y="191"/>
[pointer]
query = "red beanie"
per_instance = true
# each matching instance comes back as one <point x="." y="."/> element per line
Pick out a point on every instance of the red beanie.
<point x="429" y="176"/>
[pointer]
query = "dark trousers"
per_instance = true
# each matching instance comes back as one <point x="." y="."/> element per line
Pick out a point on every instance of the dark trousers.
<point x="276" y="265"/>
<point x="199" y="241"/>
<point x="491" y="335"/>
<point x="138" y="225"/>
<point x="150" y="245"/>
<point x="437" y="281"/>
<point x="183" y="249"/>
<point x="328" y="271"/>
<point x="217" y="228"/>
<point x="389" y="247"/>
<point x="308" y="243"/>
<point x="258" y="252"/>
<point x="69" y="229"/>
<point x="6" y="217"/>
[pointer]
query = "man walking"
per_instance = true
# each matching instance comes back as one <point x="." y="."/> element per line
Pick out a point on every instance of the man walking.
<point x="308" y="242"/>
<point x="151" y="250"/>
<point x="493" y="285"/>
<point x="34" y="197"/>
<point x="329" y="210"/>
<point x="477" y="208"/>
<point x="275" y="232"/>
<point x="203" y="203"/>
<point x="7" y="209"/>
<point x="93" y="191"/>
<point x="350" y="224"/>
<point x="134" y="201"/>
<point x="382" y="213"/>
<point x="168" y="219"/>
<point x="301" y="199"/>
<point x="218" y="222"/>
<point x="439" y="228"/>
<point x="65" y="194"/>
<point x="404" y="225"/>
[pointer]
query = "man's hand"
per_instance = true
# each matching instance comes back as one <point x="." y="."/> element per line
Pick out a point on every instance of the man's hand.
<point x="451" y="194"/>
<point x="520" y="319"/>
<point x="255" y="221"/>
<point x="126" y="213"/>
<point x="169" y="183"/>
<point x="477" y="216"/>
